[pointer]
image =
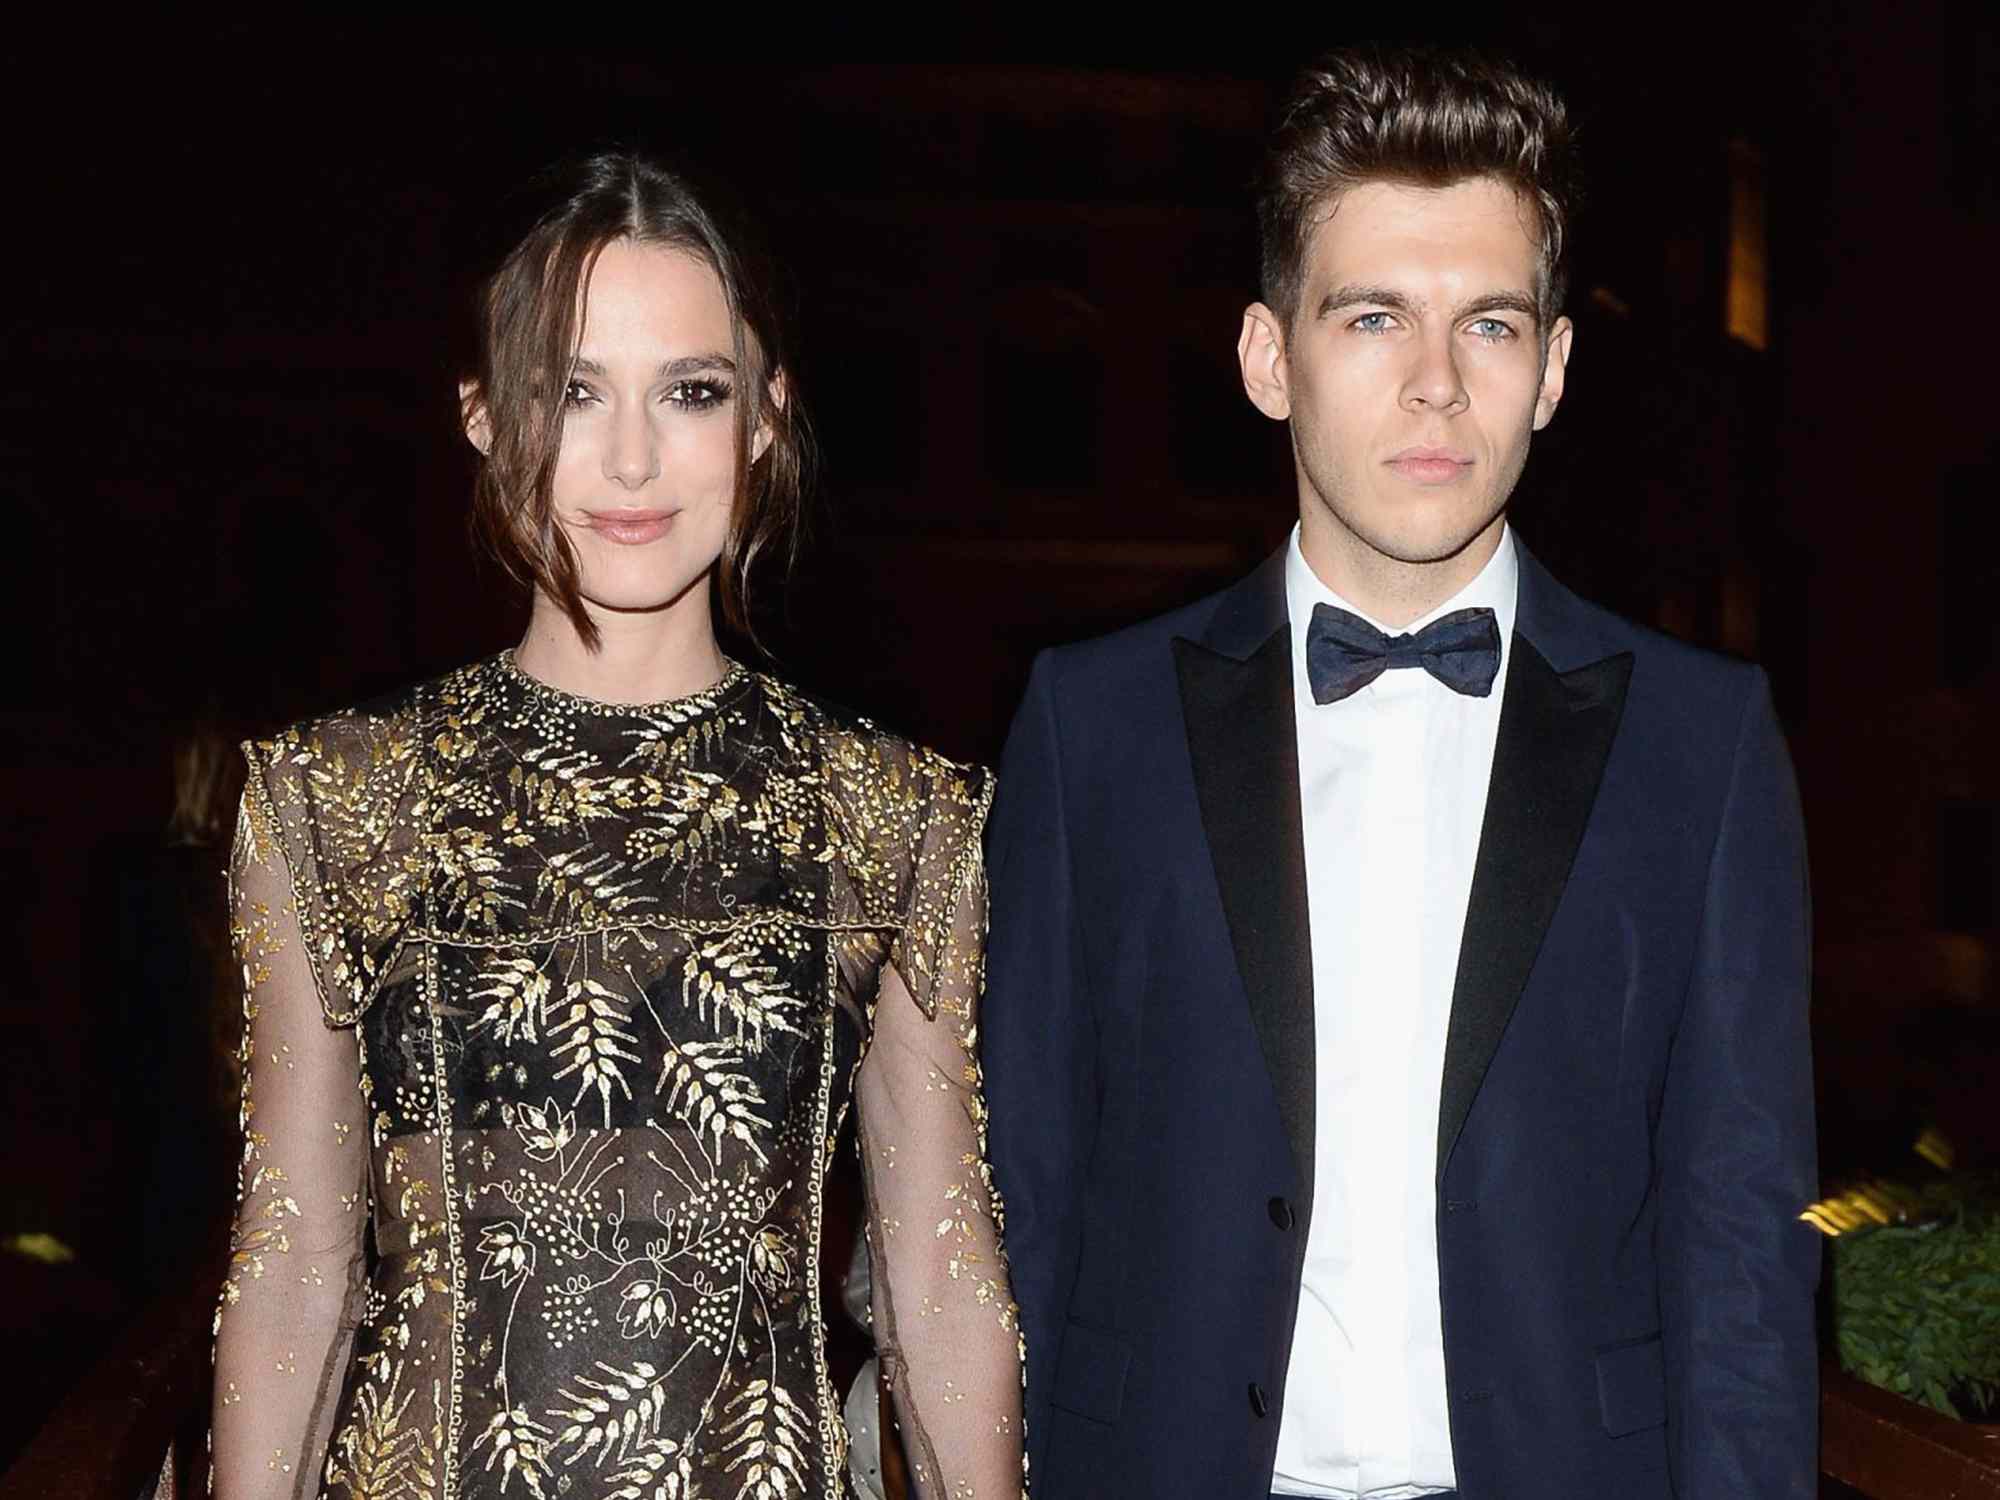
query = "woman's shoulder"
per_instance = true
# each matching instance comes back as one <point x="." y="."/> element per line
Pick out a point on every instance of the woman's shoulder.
<point x="863" y="756"/>
<point x="340" y="796"/>
<point x="375" y="741"/>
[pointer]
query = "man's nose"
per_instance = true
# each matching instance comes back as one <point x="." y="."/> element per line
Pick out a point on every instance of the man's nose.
<point x="1434" y="382"/>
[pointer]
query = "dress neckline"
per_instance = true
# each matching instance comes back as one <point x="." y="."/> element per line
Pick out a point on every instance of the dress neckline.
<point x="734" y="675"/>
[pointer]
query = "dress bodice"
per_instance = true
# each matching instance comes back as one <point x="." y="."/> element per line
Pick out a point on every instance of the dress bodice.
<point x="602" y="984"/>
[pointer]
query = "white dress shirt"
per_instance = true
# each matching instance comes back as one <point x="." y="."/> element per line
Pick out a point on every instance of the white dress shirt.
<point x="1392" y="787"/>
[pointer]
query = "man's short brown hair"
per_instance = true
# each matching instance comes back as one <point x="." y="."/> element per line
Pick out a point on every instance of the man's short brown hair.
<point x="1417" y="116"/>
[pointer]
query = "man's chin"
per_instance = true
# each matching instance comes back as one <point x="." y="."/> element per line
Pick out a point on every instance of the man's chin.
<point x="1427" y="546"/>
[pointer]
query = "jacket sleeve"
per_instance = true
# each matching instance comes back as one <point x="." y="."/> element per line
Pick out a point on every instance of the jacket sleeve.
<point x="1737" y="1154"/>
<point x="1039" y="1038"/>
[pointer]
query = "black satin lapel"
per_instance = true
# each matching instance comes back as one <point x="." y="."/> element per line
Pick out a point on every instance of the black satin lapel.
<point x="1243" y="743"/>
<point x="1548" y="761"/>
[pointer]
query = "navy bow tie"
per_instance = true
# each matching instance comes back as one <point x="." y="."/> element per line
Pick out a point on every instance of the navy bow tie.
<point x="1344" y="653"/>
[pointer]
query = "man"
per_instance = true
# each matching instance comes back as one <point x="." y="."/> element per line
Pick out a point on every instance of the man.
<point x="1396" y="1021"/>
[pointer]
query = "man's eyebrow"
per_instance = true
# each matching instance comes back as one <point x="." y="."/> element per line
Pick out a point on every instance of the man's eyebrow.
<point x="1485" y="302"/>
<point x="1355" y="295"/>
<point x="671" y="369"/>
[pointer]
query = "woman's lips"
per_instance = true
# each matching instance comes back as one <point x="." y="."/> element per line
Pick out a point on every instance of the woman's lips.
<point x="630" y="528"/>
<point x="1431" y="465"/>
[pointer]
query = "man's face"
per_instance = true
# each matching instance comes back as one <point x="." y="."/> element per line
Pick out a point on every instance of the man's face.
<point x="1414" y="370"/>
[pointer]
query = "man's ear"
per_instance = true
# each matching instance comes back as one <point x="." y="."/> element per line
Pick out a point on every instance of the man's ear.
<point x="474" y="417"/>
<point x="1260" y="351"/>
<point x="1555" y="368"/>
<point x="776" y="392"/>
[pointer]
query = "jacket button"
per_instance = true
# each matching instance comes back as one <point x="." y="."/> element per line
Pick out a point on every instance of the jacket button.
<point x="1258" y="1402"/>
<point x="1281" y="1213"/>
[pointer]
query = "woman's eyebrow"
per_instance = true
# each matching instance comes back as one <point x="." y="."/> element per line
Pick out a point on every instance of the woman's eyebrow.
<point x="686" y="364"/>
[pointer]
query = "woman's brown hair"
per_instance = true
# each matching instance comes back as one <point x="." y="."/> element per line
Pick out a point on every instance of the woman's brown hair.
<point x="528" y="329"/>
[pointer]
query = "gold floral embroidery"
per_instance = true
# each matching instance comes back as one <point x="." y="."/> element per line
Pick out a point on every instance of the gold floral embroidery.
<point x="607" y="978"/>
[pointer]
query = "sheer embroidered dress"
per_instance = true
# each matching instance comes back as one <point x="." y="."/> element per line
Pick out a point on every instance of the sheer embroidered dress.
<point x="562" y="1005"/>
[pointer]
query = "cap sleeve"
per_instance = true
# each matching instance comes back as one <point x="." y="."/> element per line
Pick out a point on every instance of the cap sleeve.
<point x="339" y="800"/>
<point x="940" y="948"/>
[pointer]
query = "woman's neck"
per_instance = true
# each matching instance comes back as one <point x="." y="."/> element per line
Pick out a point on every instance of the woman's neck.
<point x="641" y="657"/>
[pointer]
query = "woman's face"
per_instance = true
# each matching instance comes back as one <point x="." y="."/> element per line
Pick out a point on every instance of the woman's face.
<point x="646" y="474"/>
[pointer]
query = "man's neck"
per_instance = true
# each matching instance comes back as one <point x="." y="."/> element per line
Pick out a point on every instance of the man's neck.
<point x="1384" y="588"/>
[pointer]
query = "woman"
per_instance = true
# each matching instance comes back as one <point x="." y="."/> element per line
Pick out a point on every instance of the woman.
<point x="563" y="970"/>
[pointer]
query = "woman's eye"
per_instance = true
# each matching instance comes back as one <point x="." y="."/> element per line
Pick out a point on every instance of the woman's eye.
<point x="697" y="395"/>
<point x="576" y="393"/>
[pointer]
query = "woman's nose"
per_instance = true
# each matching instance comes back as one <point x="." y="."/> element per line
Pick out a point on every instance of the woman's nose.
<point x="633" y="457"/>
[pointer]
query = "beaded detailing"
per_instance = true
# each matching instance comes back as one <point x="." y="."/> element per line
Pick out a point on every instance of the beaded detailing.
<point x="734" y="675"/>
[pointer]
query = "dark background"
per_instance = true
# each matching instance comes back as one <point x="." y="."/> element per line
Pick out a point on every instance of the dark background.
<point x="234" y="307"/>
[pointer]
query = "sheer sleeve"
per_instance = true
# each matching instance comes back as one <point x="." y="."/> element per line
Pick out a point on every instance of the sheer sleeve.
<point x="945" y="1321"/>
<point x="284" y="1326"/>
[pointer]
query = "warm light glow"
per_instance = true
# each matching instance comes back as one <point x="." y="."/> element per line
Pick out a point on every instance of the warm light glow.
<point x="1862" y="1208"/>
<point x="40" y="1246"/>
<point x="1876" y="1202"/>
<point x="1747" y="315"/>
<point x="1935" y="1149"/>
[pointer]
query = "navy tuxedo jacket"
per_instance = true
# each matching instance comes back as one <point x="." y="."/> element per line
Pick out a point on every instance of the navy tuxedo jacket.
<point x="1626" y="1136"/>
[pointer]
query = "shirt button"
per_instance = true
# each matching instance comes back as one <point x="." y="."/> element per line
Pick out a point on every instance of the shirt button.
<point x="1281" y="1213"/>
<point x="1258" y="1402"/>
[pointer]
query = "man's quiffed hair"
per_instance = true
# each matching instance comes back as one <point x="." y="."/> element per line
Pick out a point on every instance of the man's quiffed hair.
<point x="1417" y="116"/>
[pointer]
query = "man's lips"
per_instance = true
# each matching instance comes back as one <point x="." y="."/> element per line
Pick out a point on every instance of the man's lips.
<point x="630" y="528"/>
<point x="1431" y="465"/>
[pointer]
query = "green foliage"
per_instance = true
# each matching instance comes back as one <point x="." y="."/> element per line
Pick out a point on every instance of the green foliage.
<point x="1917" y="1308"/>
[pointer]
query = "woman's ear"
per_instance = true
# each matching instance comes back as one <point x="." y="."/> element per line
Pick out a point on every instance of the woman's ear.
<point x="775" y="393"/>
<point x="474" y="417"/>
